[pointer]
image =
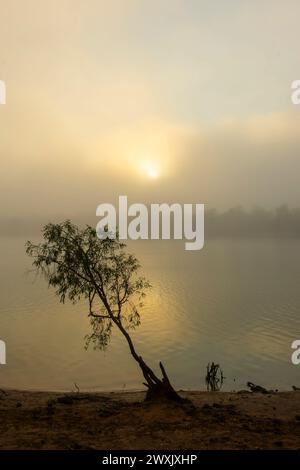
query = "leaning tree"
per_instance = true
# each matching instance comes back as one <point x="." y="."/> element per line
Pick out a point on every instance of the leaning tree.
<point x="79" y="266"/>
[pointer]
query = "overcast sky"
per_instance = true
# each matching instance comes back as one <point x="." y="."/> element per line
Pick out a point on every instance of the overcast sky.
<point x="184" y="101"/>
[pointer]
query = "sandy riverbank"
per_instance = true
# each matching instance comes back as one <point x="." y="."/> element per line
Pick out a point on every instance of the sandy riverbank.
<point x="219" y="420"/>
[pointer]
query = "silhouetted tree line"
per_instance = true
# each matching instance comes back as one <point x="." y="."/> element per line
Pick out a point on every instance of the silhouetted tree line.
<point x="258" y="222"/>
<point x="234" y="222"/>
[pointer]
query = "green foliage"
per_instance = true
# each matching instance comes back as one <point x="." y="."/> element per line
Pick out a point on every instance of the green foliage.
<point x="81" y="266"/>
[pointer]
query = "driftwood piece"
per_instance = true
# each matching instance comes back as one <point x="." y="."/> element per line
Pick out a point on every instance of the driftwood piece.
<point x="214" y="377"/>
<point x="258" y="389"/>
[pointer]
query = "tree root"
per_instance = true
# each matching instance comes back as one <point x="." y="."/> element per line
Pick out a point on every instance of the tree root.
<point x="158" y="389"/>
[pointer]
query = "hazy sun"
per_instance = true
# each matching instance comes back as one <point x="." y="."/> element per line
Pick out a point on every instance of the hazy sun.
<point x="150" y="169"/>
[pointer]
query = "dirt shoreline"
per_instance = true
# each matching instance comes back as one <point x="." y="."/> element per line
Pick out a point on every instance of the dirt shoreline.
<point x="121" y="420"/>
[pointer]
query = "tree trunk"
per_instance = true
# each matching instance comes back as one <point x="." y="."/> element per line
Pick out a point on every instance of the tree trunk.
<point x="158" y="389"/>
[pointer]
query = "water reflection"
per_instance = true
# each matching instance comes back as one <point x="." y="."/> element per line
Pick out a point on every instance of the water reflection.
<point x="235" y="303"/>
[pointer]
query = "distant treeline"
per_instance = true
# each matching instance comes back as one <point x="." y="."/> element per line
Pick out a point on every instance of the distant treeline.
<point x="234" y="222"/>
<point x="258" y="222"/>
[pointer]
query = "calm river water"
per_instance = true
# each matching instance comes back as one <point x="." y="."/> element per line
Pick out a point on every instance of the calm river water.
<point x="236" y="302"/>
